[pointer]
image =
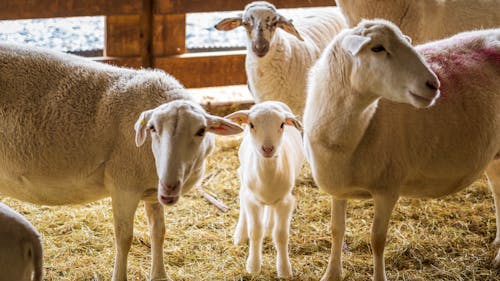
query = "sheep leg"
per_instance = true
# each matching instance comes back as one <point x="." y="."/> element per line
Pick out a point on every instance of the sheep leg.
<point x="282" y="214"/>
<point x="338" y="214"/>
<point x="493" y="174"/>
<point x="124" y="207"/>
<point x="256" y="235"/>
<point x="156" y="220"/>
<point x="241" y="231"/>
<point x="383" y="206"/>
<point x="268" y="221"/>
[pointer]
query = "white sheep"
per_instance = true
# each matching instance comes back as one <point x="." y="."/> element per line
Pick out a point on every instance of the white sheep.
<point x="67" y="138"/>
<point x="280" y="53"/>
<point x="375" y="127"/>
<point x="426" y="20"/>
<point x="271" y="156"/>
<point x="21" y="252"/>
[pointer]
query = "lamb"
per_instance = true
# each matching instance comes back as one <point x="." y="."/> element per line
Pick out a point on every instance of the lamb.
<point x="277" y="62"/>
<point x="21" y="253"/>
<point x="67" y="138"/>
<point x="427" y="20"/>
<point x="271" y="157"/>
<point x="374" y="126"/>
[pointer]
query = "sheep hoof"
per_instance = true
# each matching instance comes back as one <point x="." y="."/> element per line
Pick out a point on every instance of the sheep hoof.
<point x="239" y="239"/>
<point x="253" y="267"/>
<point x="285" y="273"/>
<point x="496" y="261"/>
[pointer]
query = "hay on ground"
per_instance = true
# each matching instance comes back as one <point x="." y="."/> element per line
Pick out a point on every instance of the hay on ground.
<point x="445" y="239"/>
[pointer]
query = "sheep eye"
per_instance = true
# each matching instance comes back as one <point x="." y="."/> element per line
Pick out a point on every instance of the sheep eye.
<point x="152" y="129"/>
<point x="378" y="48"/>
<point x="201" y="132"/>
<point x="282" y="125"/>
<point x="251" y="125"/>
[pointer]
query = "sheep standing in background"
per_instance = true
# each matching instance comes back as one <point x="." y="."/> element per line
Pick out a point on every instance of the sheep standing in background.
<point x="374" y="126"/>
<point x="67" y="138"/>
<point x="280" y="53"/>
<point x="21" y="253"/>
<point x="426" y="20"/>
<point x="271" y="156"/>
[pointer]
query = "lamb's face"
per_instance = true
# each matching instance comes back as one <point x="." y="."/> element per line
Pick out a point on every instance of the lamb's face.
<point x="260" y="20"/>
<point x="266" y="125"/>
<point x="385" y="64"/>
<point x="180" y="141"/>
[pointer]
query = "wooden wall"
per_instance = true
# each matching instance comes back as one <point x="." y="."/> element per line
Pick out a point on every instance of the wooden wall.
<point x="151" y="33"/>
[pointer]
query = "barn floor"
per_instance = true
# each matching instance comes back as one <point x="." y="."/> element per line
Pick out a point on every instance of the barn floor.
<point x="444" y="239"/>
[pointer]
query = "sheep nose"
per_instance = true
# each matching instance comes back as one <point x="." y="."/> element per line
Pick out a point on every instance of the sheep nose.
<point x="268" y="149"/>
<point x="433" y="85"/>
<point x="170" y="187"/>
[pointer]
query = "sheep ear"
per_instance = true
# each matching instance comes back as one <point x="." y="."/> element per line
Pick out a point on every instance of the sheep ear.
<point x="228" y="24"/>
<point x="354" y="43"/>
<point x="140" y="127"/>
<point x="293" y="121"/>
<point x="288" y="26"/>
<point x="221" y="126"/>
<point x="240" y="117"/>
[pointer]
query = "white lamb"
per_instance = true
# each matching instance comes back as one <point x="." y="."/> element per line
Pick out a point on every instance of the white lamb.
<point x="426" y="20"/>
<point x="67" y="138"/>
<point x="21" y="252"/>
<point x="280" y="53"/>
<point x="270" y="156"/>
<point x="375" y="127"/>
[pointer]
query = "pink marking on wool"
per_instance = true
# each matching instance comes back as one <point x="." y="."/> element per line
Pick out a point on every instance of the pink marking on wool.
<point x="457" y="66"/>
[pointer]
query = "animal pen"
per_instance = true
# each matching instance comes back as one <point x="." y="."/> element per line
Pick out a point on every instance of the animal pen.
<point x="440" y="239"/>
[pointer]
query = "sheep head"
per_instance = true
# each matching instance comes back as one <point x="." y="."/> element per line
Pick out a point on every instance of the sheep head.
<point x="180" y="140"/>
<point x="260" y="20"/>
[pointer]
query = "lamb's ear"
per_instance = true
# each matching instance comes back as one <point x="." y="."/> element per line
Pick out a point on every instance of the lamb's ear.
<point x="140" y="127"/>
<point x="354" y="43"/>
<point x="240" y="117"/>
<point x="229" y="23"/>
<point x="293" y="121"/>
<point x="287" y="25"/>
<point x="222" y="126"/>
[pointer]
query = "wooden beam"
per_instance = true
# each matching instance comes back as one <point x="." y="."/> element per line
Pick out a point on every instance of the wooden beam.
<point x="27" y="9"/>
<point x="198" y="6"/>
<point x="132" y="62"/>
<point x="169" y="34"/>
<point x="146" y="33"/>
<point x="206" y="69"/>
<point x="123" y="36"/>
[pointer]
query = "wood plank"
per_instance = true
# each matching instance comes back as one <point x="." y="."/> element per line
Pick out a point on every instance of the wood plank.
<point x="132" y="62"/>
<point x="206" y="69"/>
<point x="198" y="6"/>
<point x="27" y="9"/>
<point x="169" y="34"/>
<point x="123" y="36"/>
<point x="146" y="33"/>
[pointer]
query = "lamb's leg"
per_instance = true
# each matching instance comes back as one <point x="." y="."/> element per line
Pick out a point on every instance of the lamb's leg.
<point x="256" y="235"/>
<point x="156" y="220"/>
<point x="493" y="173"/>
<point x="268" y="221"/>
<point x="338" y="214"/>
<point x="124" y="207"/>
<point x="282" y="214"/>
<point x="241" y="231"/>
<point x="383" y="206"/>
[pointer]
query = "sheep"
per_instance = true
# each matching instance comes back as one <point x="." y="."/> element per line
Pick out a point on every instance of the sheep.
<point x="280" y="53"/>
<point x="67" y="137"/>
<point x="21" y="252"/>
<point x="271" y="156"/>
<point x="379" y="124"/>
<point x="427" y="20"/>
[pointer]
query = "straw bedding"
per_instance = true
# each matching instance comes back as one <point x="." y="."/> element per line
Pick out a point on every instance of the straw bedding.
<point x="444" y="239"/>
